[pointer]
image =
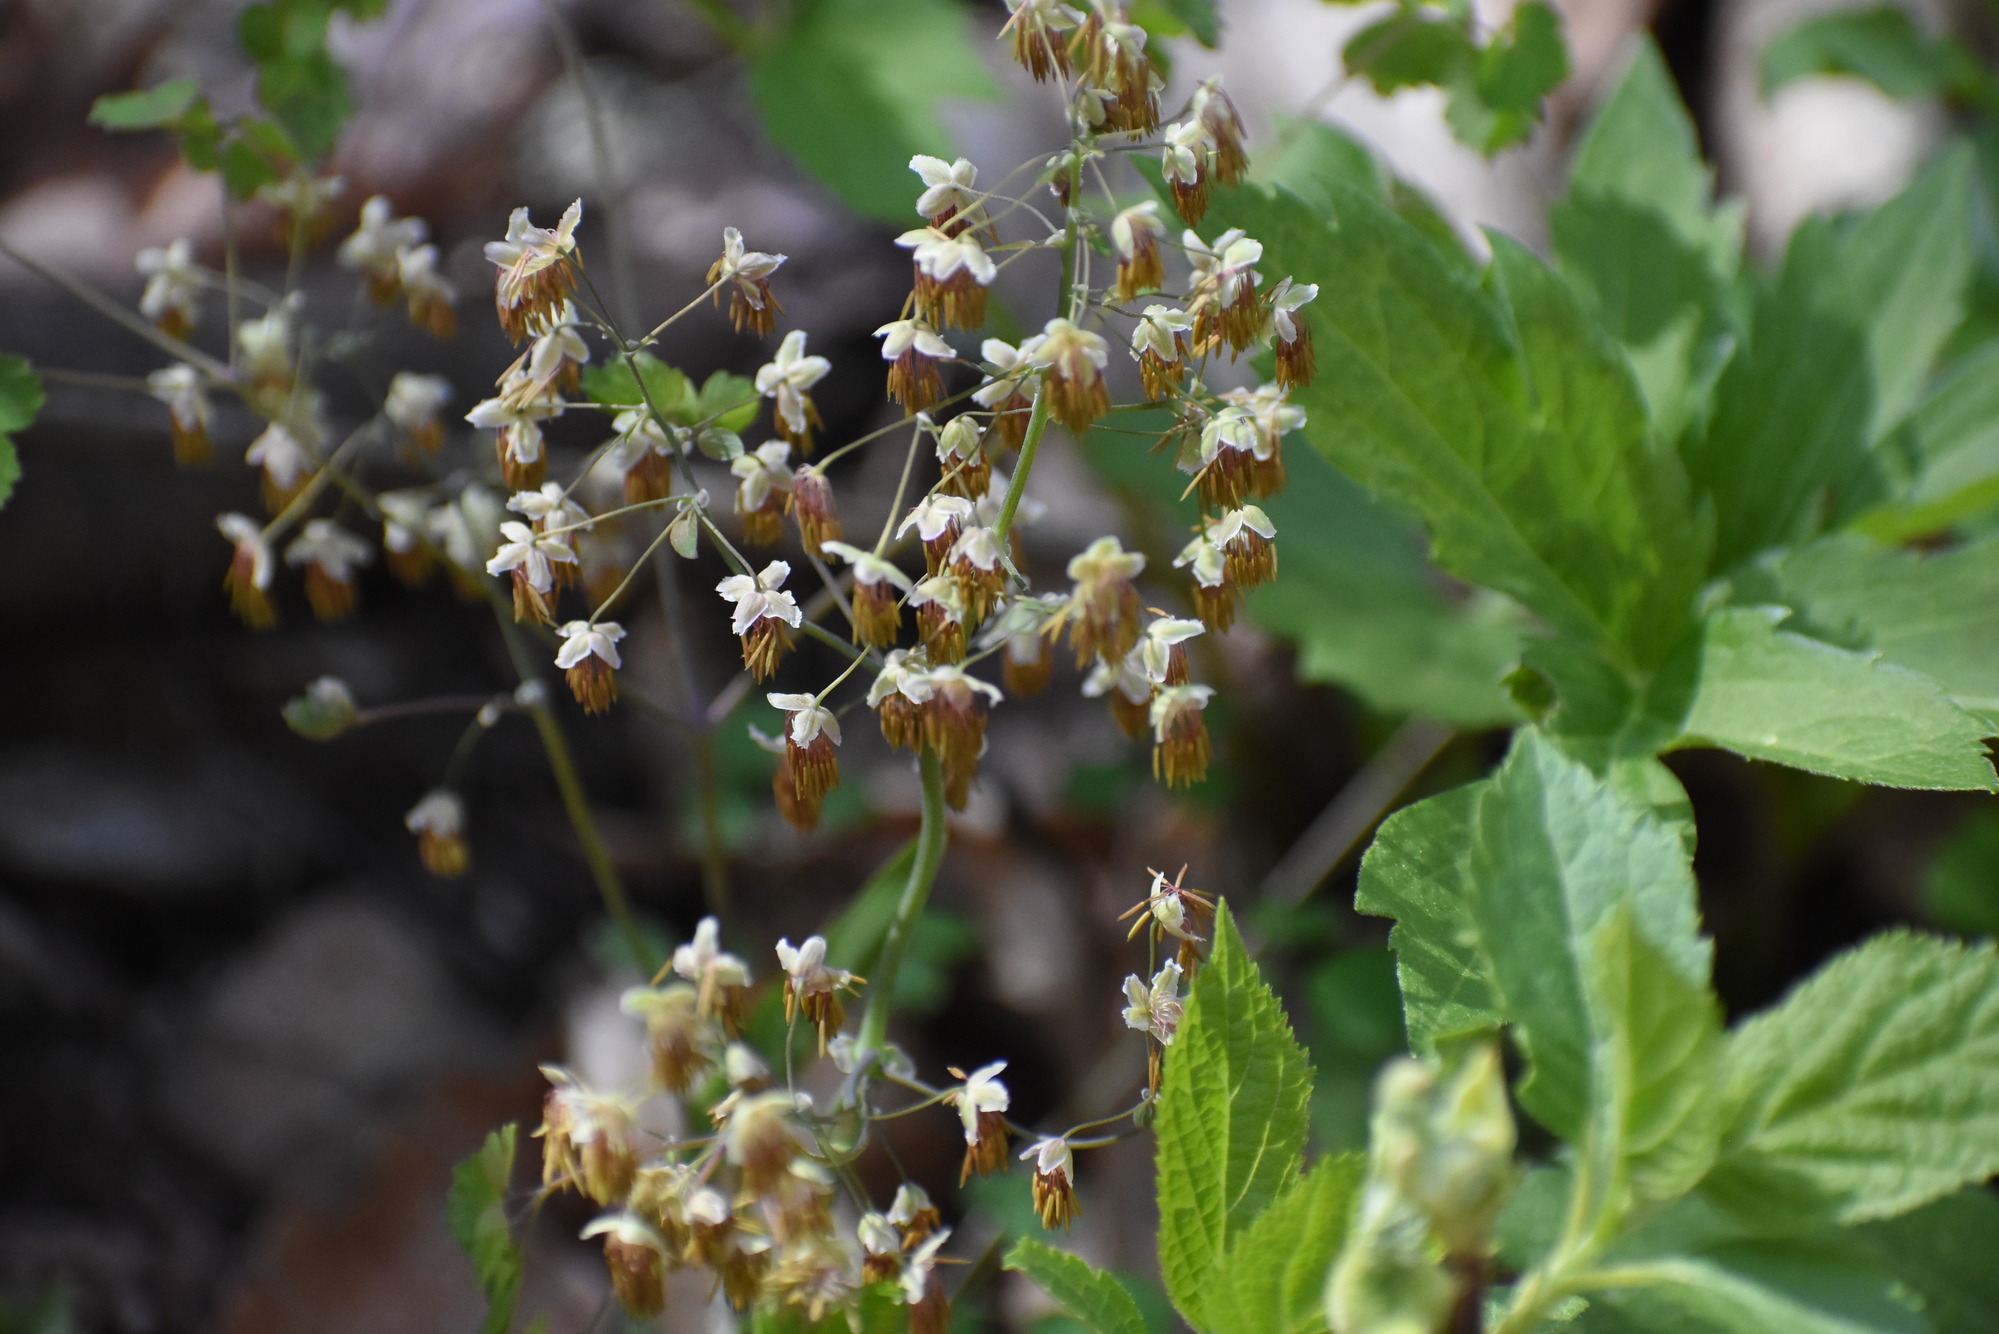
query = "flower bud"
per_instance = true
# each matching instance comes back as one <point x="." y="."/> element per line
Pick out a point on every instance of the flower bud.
<point x="324" y="711"/>
<point x="818" y="519"/>
<point x="1444" y="1135"/>
<point x="636" y="1256"/>
<point x="248" y="579"/>
<point x="438" y="821"/>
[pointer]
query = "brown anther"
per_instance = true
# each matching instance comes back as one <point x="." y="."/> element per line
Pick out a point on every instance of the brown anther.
<point x="818" y="518"/>
<point x="649" y="478"/>
<point x="763" y="644"/>
<point x="877" y="613"/>
<point x="594" y="683"/>
<point x="331" y="598"/>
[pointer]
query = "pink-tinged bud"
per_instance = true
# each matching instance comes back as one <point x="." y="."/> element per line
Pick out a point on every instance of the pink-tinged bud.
<point x="818" y="517"/>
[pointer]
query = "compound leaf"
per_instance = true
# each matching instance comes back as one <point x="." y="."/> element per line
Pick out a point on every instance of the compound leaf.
<point x="476" y="1211"/>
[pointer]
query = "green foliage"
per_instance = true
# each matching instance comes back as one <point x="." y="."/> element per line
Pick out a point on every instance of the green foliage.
<point x="849" y="88"/>
<point x="1943" y="1252"/>
<point x="1759" y="1288"/>
<point x="1276" y="1270"/>
<point x="1942" y="464"/>
<point x="1179" y="18"/>
<point x="20" y="403"/>
<point x="1874" y="1087"/>
<point x="1095" y="1298"/>
<point x="1495" y="90"/>
<point x="151" y="109"/>
<point x="1231" y="1124"/>
<point x="476" y="1211"/>
<point x="1962" y="888"/>
<point x="1885" y="47"/>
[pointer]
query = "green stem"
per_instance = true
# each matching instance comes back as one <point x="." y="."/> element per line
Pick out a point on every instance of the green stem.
<point x="930" y="840"/>
<point x="1037" y="426"/>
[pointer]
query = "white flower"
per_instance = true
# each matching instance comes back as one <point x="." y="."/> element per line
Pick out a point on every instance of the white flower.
<point x="530" y="249"/>
<point x="902" y="675"/>
<point x="947" y="186"/>
<point x="739" y="262"/>
<point x="788" y="375"/>
<point x="978" y="547"/>
<point x="580" y="639"/>
<point x="940" y="590"/>
<point x="868" y="567"/>
<point x="556" y="345"/>
<point x="530" y="552"/>
<point x="266" y="343"/>
<point x="283" y="459"/>
<point x="703" y="958"/>
<point x="1173" y="701"/>
<point x="333" y="549"/>
<point x="900" y="336"/>
<point x="414" y="401"/>
<point x="760" y="597"/>
<point x="1072" y="353"/>
<point x="982" y="1092"/>
<point x="180" y="387"/>
<point x="1274" y="415"/>
<point x="876" y="1236"/>
<point x="1051" y="1156"/>
<point x="809" y="718"/>
<point x="934" y="515"/>
<point x="403" y="517"/>
<point x="1250" y="518"/>
<point x="416" y="269"/>
<point x="519" y="423"/>
<point x="942" y="256"/>
<point x="248" y="536"/>
<point x="440" y="813"/>
<point x="1105" y="561"/>
<point x="758" y="473"/>
<point x="1225" y="266"/>
<point x="1231" y="428"/>
<point x="1140" y="220"/>
<point x="917" y="1264"/>
<point x="548" y="503"/>
<point x="1184" y="155"/>
<point x="1159" y="331"/>
<point x="1204" y="555"/>
<point x="1127" y="677"/>
<point x="377" y="241"/>
<point x="1007" y="369"/>
<point x="1155" y="646"/>
<point x="172" y="280"/>
<point x="806" y="966"/>
<point x="1285" y="300"/>
<point x="1155" y="1010"/>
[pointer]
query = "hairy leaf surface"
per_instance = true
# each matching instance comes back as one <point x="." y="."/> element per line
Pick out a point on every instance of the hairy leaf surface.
<point x="1096" y="1299"/>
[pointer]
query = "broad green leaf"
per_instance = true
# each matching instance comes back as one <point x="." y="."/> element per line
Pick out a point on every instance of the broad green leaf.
<point x="1564" y="871"/>
<point x="1942" y="465"/>
<point x="1883" y="46"/>
<point x="20" y="403"/>
<point x="1930" y="613"/>
<point x="1197" y="17"/>
<point x="1231" y="1128"/>
<point x="151" y="109"/>
<point x="1095" y="1298"/>
<point x="1774" y="695"/>
<point x="1408" y="50"/>
<point x="1756" y="1288"/>
<point x="1638" y="237"/>
<point x="1944" y="1251"/>
<point x="1874" y="1086"/>
<point x="850" y="88"/>
<point x="1496" y="100"/>
<point x="732" y="400"/>
<point x="666" y="389"/>
<point x="1416" y="872"/>
<point x="1277" y="1269"/>
<point x="1423" y="398"/>
<point x="1791" y="410"/>
<point x="476" y="1211"/>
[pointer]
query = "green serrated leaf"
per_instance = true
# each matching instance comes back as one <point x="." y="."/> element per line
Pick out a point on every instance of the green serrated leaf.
<point x="1416" y="871"/>
<point x="1095" y="1298"/>
<point x="1942" y="466"/>
<point x="1531" y="470"/>
<point x="666" y="389"/>
<point x="1874" y="1087"/>
<point x="1931" y="613"/>
<point x="850" y="89"/>
<point x="732" y="400"/>
<point x="1773" y="695"/>
<point x="1563" y="870"/>
<point x="1785" y="1287"/>
<point x="1231" y="1122"/>
<point x="1944" y="1252"/>
<point x="1524" y="60"/>
<point x="1276" y="1270"/>
<point x="151" y="109"/>
<point x="1408" y="50"/>
<point x="476" y="1213"/>
<point x="1884" y="46"/>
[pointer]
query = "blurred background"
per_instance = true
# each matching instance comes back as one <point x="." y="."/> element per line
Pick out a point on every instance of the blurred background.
<point x="243" y="1036"/>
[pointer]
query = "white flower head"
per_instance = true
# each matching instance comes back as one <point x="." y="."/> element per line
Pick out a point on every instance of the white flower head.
<point x="333" y="549"/>
<point x="900" y="336"/>
<point x="1155" y="1009"/>
<point x="440" y="812"/>
<point x="278" y="452"/>
<point x="1160" y="331"/>
<point x="703" y="959"/>
<point x="1286" y="299"/>
<point x="1130" y="228"/>
<point x="414" y="401"/>
<point x="761" y="596"/>
<point x="531" y="552"/>
<point x="378" y="239"/>
<point x="172" y="280"/>
<point x="247" y="535"/>
<point x="809" y="718"/>
<point x="179" y="386"/>
<point x="738" y="261"/>
<point x="982" y="1091"/>
<point x="942" y="256"/>
<point x="868" y="567"/>
<point x="529" y="249"/>
<point x="1051" y="1156"/>
<point x="787" y="377"/>
<point x="761" y="471"/>
<point x="581" y="639"/>
<point x="947" y="186"/>
<point x="935" y="515"/>
<point x="1155" y="646"/>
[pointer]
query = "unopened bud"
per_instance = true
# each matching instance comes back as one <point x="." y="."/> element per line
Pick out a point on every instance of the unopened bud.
<point x="324" y="711"/>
